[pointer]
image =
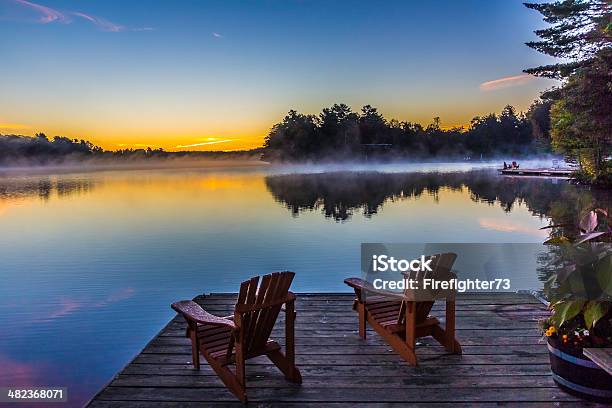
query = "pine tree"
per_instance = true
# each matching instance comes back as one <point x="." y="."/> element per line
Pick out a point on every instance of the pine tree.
<point x="579" y="29"/>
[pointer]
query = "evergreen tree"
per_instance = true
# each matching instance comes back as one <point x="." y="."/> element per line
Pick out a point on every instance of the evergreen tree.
<point x="579" y="29"/>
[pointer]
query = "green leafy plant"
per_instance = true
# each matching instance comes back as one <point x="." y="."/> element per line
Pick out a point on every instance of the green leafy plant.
<point x="580" y="292"/>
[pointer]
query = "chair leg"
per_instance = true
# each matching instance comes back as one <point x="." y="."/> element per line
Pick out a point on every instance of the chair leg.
<point x="240" y="365"/>
<point x="442" y="336"/>
<point x="410" y="331"/>
<point x="286" y="363"/>
<point x="398" y="344"/>
<point x="230" y="379"/>
<point x="286" y="366"/>
<point x="362" y="320"/>
<point x="195" y="348"/>
<point x="451" y="344"/>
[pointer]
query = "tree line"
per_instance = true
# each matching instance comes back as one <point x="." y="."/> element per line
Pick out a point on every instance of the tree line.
<point x="18" y="150"/>
<point x="580" y="110"/>
<point x="339" y="132"/>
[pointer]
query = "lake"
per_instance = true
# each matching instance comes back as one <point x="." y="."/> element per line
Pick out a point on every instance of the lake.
<point x="90" y="261"/>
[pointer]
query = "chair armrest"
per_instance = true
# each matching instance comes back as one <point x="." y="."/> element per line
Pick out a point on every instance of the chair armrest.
<point x="194" y="313"/>
<point x="290" y="298"/>
<point x="365" y="286"/>
<point x="409" y="295"/>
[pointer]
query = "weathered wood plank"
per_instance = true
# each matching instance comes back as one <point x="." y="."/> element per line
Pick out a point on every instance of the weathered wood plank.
<point x="375" y="341"/>
<point x="391" y="360"/>
<point x="293" y="393"/>
<point x="323" y="332"/>
<point x="254" y="370"/>
<point x="190" y="404"/>
<point x="277" y="381"/>
<point x="372" y="350"/>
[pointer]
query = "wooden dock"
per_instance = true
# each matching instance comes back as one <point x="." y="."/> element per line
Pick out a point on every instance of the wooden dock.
<point x="537" y="172"/>
<point x="503" y="362"/>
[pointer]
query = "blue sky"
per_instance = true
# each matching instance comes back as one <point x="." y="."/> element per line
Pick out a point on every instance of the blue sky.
<point x="175" y="73"/>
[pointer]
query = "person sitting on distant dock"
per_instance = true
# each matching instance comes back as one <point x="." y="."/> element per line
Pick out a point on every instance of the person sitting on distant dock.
<point x="505" y="166"/>
<point x="515" y="165"/>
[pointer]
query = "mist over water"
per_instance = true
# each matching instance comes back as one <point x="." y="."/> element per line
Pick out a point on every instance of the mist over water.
<point x="412" y="166"/>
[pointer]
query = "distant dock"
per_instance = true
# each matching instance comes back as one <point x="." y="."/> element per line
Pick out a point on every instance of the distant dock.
<point x="537" y="172"/>
<point x="503" y="362"/>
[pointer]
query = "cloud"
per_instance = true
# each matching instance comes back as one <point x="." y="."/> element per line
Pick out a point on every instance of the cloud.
<point x="101" y="23"/>
<point x="210" y="141"/>
<point x="47" y="14"/>
<point x="506" y="82"/>
<point x="217" y="35"/>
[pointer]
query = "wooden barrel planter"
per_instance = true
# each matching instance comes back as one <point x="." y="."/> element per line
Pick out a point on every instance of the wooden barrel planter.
<point x="577" y="374"/>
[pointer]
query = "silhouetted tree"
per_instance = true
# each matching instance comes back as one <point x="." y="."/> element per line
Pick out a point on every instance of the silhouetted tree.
<point x="539" y="118"/>
<point x="581" y="114"/>
<point x="579" y="30"/>
<point x="338" y="132"/>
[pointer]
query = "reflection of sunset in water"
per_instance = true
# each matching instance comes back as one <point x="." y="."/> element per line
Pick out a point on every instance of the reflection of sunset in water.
<point x="510" y="226"/>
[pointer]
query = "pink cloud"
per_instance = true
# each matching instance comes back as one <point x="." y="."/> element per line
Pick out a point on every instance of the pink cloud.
<point x="506" y="82"/>
<point x="47" y="14"/>
<point x="101" y="23"/>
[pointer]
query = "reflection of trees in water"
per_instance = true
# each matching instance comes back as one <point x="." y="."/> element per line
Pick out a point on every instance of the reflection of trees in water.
<point x="43" y="187"/>
<point x="339" y="194"/>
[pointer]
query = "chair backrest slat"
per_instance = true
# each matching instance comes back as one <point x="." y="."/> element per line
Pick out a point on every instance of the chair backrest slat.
<point x="440" y="268"/>
<point x="257" y="314"/>
<point x="258" y="308"/>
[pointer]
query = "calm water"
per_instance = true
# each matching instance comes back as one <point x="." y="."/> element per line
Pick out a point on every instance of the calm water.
<point x="90" y="262"/>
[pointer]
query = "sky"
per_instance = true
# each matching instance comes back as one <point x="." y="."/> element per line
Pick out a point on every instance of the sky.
<point x="216" y="75"/>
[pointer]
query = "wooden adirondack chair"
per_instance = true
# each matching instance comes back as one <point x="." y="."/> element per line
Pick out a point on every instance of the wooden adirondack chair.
<point x="234" y="339"/>
<point x="402" y="318"/>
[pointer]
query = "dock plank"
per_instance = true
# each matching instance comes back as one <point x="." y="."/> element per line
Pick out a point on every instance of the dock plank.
<point x="504" y="361"/>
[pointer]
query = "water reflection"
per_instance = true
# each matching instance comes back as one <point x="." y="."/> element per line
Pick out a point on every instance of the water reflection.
<point x="44" y="187"/>
<point x="339" y="195"/>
